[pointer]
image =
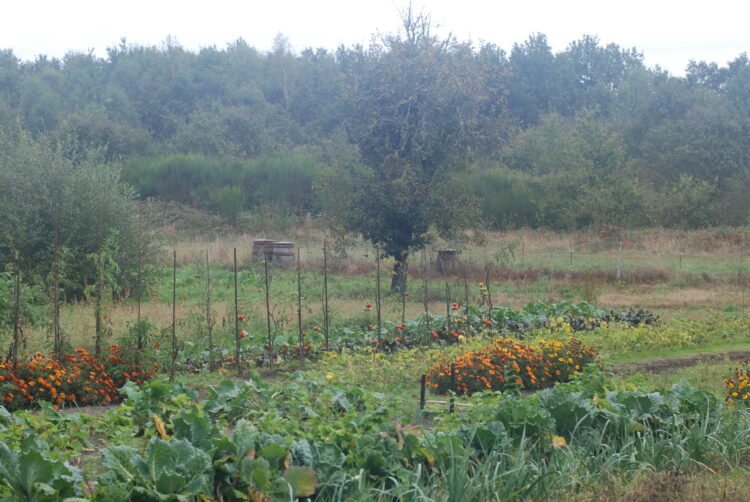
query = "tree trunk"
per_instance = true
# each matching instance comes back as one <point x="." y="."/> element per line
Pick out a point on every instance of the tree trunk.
<point x="400" y="272"/>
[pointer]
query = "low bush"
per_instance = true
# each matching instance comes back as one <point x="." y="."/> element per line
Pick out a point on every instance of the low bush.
<point x="73" y="379"/>
<point x="617" y="339"/>
<point x="738" y="385"/>
<point x="508" y="364"/>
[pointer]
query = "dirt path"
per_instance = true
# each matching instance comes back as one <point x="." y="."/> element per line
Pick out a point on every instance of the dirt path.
<point x="659" y="364"/>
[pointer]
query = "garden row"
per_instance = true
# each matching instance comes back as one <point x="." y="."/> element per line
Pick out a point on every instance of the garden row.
<point x="458" y="323"/>
<point x="305" y="438"/>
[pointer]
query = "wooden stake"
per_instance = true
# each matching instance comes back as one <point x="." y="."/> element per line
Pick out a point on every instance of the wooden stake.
<point x="326" y="313"/>
<point x="742" y="280"/>
<point x="209" y="324"/>
<point x="139" y="291"/>
<point x="447" y="300"/>
<point x="237" y="354"/>
<point x="268" y="305"/>
<point x="422" y="391"/>
<point x="377" y="293"/>
<point x="299" y="305"/>
<point x="452" y="407"/>
<point x="56" y="331"/>
<point x="174" y="316"/>
<point x="98" y="305"/>
<point x="426" y="298"/>
<point x="466" y="293"/>
<point x="16" y="312"/>
<point x="487" y="286"/>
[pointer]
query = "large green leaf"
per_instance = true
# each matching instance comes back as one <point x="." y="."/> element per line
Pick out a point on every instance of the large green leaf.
<point x="274" y="453"/>
<point x="124" y="463"/>
<point x="6" y="419"/>
<point x="303" y="481"/>
<point x="181" y="458"/>
<point x="244" y="438"/>
<point x="42" y="479"/>
<point x="571" y="411"/>
<point x="255" y="472"/>
<point x="195" y="428"/>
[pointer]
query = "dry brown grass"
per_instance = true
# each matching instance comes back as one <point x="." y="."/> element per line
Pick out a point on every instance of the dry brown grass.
<point x="657" y="298"/>
<point x="670" y="486"/>
<point x="656" y="247"/>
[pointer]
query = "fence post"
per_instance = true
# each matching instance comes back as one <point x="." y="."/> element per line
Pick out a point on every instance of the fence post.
<point x="174" y="316"/>
<point x="425" y="298"/>
<point x="447" y="300"/>
<point x="487" y="286"/>
<point x="466" y="292"/>
<point x="299" y="305"/>
<point x="325" y="293"/>
<point x="236" y="319"/>
<point x="422" y="391"/>
<point x="571" y="260"/>
<point x="16" y="312"/>
<point x="266" y="286"/>
<point x="377" y="295"/>
<point x="209" y="325"/>
<point x="452" y="406"/>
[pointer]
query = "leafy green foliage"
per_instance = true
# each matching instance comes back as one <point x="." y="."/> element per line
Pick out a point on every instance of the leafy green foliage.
<point x="677" y="334"/>
<point x="530" y="446"/>
<point x="155" y="398"/>
<point x="50" y="222"/>
<point x="174" y="467"/>
<point x="32" y="308"/>
<point x="582" y="121"/>
<point x="228" y="186"/>
<point x="419" y="108"/>
<point x="33" y="477"/>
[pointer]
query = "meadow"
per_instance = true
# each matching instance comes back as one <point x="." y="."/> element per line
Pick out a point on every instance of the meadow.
<point x="672" y="273"/>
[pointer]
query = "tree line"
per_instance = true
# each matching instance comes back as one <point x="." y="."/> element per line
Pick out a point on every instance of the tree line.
<point x="563" y="139"/>
<point x="411" y="136"/>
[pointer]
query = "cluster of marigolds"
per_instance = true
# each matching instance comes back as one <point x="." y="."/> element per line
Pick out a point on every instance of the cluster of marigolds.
<point x="738" y="386"/>
<point x="509" y="364"/>
<point x="78" y="378"/>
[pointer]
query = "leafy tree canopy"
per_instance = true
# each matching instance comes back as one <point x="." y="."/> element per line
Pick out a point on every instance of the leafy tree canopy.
<point x="419" y="109"/>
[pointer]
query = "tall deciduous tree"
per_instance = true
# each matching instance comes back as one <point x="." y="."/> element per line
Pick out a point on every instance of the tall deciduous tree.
<point x="419" y="107"/>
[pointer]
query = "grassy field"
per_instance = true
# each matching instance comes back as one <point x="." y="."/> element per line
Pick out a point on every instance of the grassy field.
<point x="675" y="274"/>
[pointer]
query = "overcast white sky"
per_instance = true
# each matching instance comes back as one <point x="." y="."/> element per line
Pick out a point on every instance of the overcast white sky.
<point x="668" y="32"/>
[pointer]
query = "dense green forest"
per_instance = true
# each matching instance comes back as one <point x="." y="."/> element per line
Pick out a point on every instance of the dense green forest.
<point x="586" y="136"/>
